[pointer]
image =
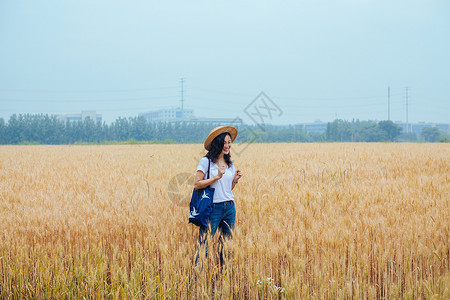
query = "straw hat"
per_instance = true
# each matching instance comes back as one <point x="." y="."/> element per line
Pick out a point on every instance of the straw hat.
<point x="217" y="131"/>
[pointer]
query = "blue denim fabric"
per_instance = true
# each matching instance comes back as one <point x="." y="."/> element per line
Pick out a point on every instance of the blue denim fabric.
<point x="223" y="216"/>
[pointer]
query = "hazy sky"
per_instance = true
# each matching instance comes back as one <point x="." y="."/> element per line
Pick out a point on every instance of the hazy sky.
<point x="316" y="59"/>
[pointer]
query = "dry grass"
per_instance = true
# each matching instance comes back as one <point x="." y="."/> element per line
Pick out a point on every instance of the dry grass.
<point x="314" y="221"/>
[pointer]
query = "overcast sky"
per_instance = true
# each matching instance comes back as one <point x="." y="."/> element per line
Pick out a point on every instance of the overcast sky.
<point x="316" y="59"/>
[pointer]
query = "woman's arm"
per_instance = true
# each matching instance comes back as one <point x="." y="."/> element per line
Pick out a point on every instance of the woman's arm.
<point x="201" y="183"/>
<point x="236" y="178"/>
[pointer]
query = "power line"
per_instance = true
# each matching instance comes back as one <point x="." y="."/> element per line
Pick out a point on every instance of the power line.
<point x="89" y="100"/>
<point x="59" y="111"/>
<point x="221" y="92"/>
<point x="334" y="98"/>
<point x="88" y="91"/>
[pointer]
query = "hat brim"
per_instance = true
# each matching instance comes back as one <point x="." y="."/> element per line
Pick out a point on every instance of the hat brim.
<point x="218" y="131"/>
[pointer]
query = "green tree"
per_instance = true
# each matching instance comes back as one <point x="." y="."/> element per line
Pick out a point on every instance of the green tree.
<point x="315" y="137"/>
<point x="374" y="134"/>
<point x="139" y="128"/>
<point x="15" y="129"/>
<point x="339" y="131"/>
<point x="3" y="131"/>
<point x="392" y="130"/>
<point x="430" y="134"/>
<point x="120" y="129"/>
<point x="71" y="132"/>
<point x="261" y="136"/>
<point x="409" y="137"/>
<point x="369" y="131"/>
<point x="89" y="131"/>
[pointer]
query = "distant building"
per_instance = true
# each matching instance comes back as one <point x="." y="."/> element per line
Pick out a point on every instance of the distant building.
<point x="418" y="127"/>
<point x="174" y="115"/>
<point x="219" y="121"/>
<point x="81" y="117"/>
<point x="445" y="127"/>
<point x="168" y="115"/>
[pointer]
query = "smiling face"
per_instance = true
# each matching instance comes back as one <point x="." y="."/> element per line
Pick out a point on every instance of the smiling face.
<point x="226" y="145"/>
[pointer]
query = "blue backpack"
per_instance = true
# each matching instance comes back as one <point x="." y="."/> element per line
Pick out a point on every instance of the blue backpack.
<point x="201" y="203"/>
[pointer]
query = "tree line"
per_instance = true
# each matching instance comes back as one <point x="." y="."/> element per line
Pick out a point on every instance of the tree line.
<point x="45" y="129"/>
<point x="383" y="131"/>
<point x="48" y="129"/>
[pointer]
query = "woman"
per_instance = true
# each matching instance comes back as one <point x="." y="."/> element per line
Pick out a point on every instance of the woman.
<point x="223" y="178"/>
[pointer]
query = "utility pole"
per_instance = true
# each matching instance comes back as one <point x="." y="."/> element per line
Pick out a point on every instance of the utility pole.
<point x="182" y="100"/>
<point x="389" y="103"/>
<point x="407" y="123"/>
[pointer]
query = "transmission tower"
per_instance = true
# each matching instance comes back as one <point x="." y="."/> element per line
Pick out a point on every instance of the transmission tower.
<point x="389" y="103"/>
<point x="182" y="91"/>
<point x="407" y="122"/>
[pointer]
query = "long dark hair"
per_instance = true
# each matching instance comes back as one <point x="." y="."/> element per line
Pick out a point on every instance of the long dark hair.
<point x="217" y="147"/>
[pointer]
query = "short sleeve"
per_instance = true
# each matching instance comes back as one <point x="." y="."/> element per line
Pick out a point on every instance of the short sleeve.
<point x="203" y="165"/>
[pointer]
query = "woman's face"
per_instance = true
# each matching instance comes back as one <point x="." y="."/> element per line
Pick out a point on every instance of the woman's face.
<point x="226" y="145"/>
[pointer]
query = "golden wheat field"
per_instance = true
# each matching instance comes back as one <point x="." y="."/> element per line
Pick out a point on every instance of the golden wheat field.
<point x="314" y="221"/>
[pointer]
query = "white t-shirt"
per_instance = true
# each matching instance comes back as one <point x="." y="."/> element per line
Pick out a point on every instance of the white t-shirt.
<point x="222" y="186"/>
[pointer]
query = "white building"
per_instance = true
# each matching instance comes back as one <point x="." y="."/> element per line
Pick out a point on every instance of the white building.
<point x="173" y="115"/>
<point x="168" y="115"/>
<point x="81" y="117"/>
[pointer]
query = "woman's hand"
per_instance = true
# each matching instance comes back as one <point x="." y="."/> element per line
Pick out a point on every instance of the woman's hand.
<point x="221" y="171"/>
<point x="237" y="176"/>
